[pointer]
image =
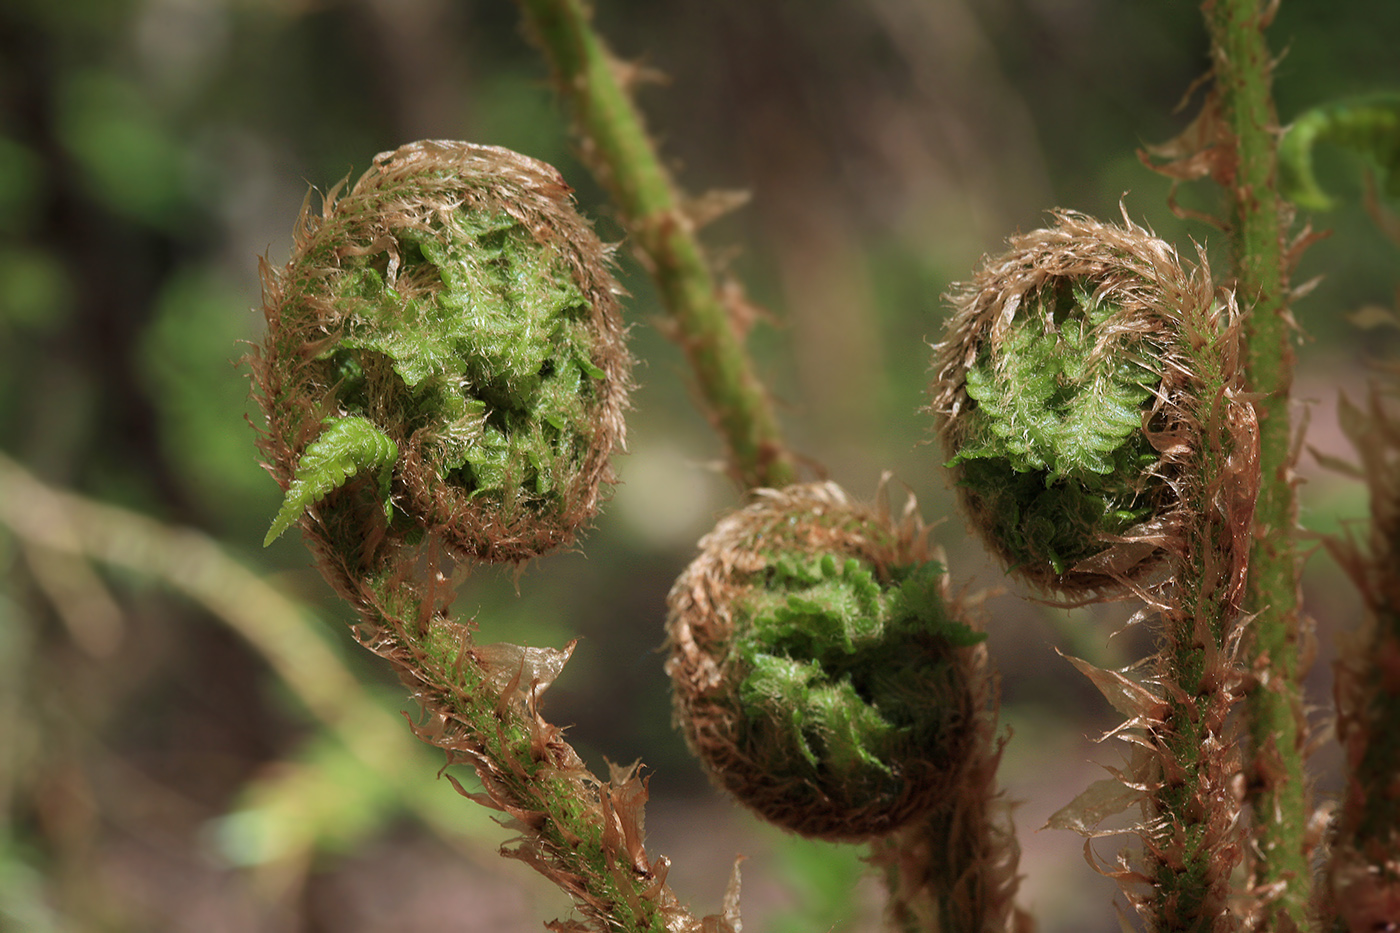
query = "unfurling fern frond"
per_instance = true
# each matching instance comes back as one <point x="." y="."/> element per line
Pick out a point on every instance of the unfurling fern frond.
<point x="821" y="670"/>
<point x="1063" y="393"/>
<point x="347" y="447"/>
<point x="455" y="299"/>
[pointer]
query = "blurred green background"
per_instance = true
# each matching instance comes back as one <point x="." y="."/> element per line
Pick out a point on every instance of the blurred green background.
<point x="173" y="758"/>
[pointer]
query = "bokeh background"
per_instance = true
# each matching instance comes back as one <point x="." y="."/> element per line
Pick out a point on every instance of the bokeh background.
<point x="189" y="739"/>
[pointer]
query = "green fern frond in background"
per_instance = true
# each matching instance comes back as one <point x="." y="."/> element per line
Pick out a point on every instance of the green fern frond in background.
<point x="1368" y="127"/>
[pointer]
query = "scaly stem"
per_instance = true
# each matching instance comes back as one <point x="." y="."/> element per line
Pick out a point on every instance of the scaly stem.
<point x="1193" y="834"/>
<point x="480" y="706"/>
<point x="954" y="871"/>
<point x="621" y="155"/>
<point x="1278" y="790"/>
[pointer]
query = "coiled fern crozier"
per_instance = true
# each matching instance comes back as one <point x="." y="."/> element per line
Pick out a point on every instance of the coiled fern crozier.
<point x="817" y="665"/>
<point x="451" y="312"/>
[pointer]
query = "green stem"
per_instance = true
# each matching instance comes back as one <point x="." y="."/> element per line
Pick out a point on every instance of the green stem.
<point x="1278" y="789"/>
<point x="623" y="158"/>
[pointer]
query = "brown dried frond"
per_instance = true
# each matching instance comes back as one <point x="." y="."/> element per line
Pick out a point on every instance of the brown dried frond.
<point x="1363" y="873"/>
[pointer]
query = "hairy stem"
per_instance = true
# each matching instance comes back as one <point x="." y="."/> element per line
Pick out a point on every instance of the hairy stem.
<point x="481" y="707"/>
<point x="1257" y="223"/>
<point x="621" y="155"/>
<point x="954" y="871"/>
<point x="1193" y="835"/>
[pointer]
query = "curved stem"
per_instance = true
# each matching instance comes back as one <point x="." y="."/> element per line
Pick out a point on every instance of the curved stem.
<point x="955" y="870"/>
<point x="621" y="155"/>
<point x="480" y="706"/>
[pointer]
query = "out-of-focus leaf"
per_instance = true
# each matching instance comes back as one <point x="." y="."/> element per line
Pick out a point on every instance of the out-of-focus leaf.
<point x="35" y="293"/>
<point x="20" y="175"/>
<point x="129" y="157"/>
<point x="188" y="365"/>
<point x="821" y="879"/>
<point x="1367" y="126"/>
<point x="22" y="904"/>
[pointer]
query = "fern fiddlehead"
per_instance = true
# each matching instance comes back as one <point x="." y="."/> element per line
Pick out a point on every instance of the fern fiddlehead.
<point x="817" y="665"/>
<point x="453" y="301"/>
<point x="1054" y="394"/>
<point x="1090" y="396"/>
<point x="443" y="378"/>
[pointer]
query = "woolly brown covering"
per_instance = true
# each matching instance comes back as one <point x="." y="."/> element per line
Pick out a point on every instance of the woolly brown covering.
<point x="1158" y="305"/>
<point x="414" y="201"/>
<point x="707" y="615"/>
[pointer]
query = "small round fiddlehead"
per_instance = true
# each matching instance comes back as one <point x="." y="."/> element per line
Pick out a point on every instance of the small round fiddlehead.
<point x="1063" y="392"/>
<point x="455" y="303"/>
<point x="818" y="666"/>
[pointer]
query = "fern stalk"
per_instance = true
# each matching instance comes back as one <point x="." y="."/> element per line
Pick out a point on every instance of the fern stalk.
<point x="621" y="155"/>
<point x="1257" y="222"/>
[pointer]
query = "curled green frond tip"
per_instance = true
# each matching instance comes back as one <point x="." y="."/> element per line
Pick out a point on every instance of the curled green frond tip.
<point x="347" y="447"/>
<point x="1367" y="126"/>
<point x="1064" y="388"/>
<point x="818" y="665"/>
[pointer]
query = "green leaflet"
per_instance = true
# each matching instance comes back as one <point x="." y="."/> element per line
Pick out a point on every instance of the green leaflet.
<point x="1367" y="126"/>
<point x="347" y="447"/>
<point x="489" y="336"/>
<point x="844" y="673"/>
<point x="1043" y="403"/>
<point x="1054" y="451"/>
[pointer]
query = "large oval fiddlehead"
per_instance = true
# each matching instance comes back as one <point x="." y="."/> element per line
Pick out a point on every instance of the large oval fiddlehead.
<point x="454" y="301"/>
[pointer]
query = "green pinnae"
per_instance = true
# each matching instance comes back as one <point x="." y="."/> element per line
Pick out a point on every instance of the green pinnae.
<point x="841" y="673"/>
<point x="346" y="448"/>
<point x="1053" y="450"/>
<point x="488" y="336"/>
